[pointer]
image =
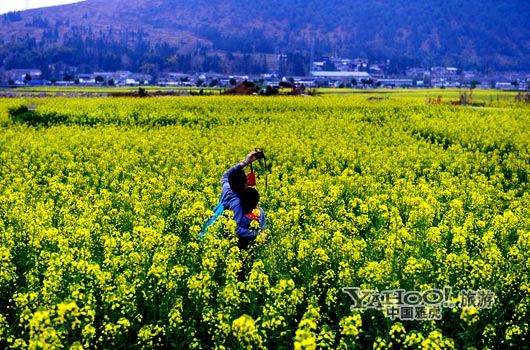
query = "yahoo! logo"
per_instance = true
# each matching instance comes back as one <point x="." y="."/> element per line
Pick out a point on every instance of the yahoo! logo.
<point x="413" y="305"/>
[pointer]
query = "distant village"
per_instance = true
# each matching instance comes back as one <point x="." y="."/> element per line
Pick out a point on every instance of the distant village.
<point x="334" y="73"/>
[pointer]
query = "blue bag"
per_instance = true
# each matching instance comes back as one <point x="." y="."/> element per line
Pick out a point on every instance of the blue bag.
<point x="217" y="211"/>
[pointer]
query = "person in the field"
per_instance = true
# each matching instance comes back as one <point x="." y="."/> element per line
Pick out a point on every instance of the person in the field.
<point x="242" y="201"/>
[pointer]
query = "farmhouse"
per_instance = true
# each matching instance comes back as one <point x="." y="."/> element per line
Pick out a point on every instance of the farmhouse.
<point x="336" y="78"/>
<point x="20" y="74"/>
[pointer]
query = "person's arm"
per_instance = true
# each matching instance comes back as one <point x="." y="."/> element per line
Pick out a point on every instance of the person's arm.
<point x="224" y="180"/>
<point x="251" y="157"/>
<point x="247" y="161"/>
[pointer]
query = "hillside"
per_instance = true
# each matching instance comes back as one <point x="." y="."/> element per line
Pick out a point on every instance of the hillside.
<point x="239" y="35"/>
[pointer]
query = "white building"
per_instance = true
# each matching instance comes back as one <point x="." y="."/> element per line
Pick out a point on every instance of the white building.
<point x="20" y="74"/>
<point x="340" y="75"/>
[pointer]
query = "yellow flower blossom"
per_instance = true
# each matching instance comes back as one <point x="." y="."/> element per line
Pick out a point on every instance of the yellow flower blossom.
<point x="100" y="214"/>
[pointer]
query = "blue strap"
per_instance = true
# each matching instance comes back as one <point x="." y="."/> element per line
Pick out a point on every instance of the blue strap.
<point x="223" y="195"/>
<point x="223" y="199"/>
<point x="213" y="219"/>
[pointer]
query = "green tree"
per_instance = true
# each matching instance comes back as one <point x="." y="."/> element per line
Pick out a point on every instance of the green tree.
<point x="142" y="92"/>
<point x="27" y="79"/>
<point x="100" y="79"/>
<point x="213" y="83"/>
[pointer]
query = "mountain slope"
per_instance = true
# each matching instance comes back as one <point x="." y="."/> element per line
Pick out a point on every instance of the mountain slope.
<point x="469" y="34"/>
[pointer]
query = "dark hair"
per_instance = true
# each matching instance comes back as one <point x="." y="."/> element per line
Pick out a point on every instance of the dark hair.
<point x="249" y="199"/>
<point x="237" y="180"/>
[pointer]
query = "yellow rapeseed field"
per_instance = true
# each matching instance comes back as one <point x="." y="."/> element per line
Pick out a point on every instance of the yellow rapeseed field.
<point x="391" y="224"/>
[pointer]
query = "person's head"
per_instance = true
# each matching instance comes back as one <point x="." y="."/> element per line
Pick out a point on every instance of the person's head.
<point x="237" y="180"/>
<point x="249" y="199"/>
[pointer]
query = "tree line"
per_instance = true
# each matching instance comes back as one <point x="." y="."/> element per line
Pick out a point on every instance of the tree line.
<point x="108" y="52"/>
